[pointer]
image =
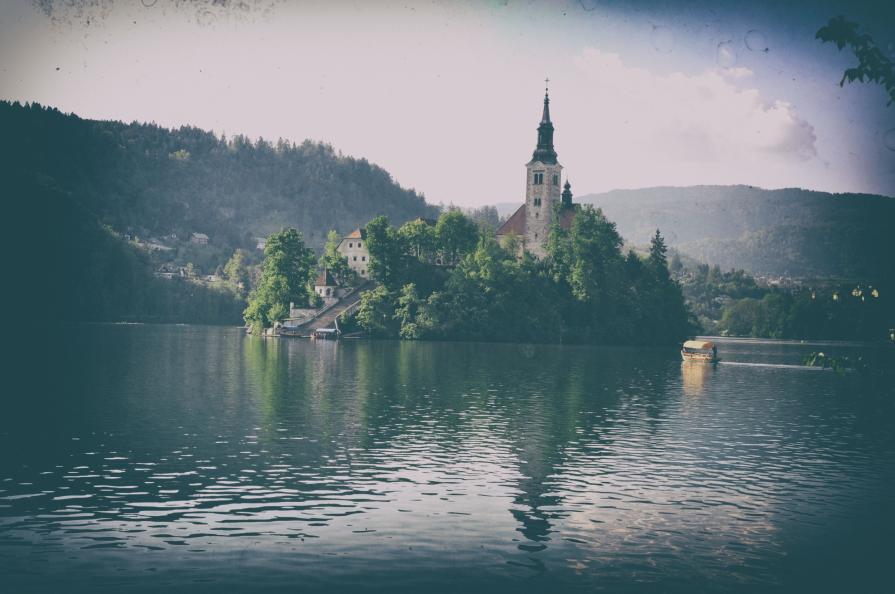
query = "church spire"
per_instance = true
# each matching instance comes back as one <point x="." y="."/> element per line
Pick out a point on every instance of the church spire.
<point x="544" y="152"/>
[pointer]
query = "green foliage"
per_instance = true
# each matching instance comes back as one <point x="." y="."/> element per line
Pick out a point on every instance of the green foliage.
<point x="457" y="235"/>
<point x="843" y="313"/>
<point x="77" y="269"/>
<point x="376" y="312"/>
<point x="486" y="217"/>
<point x="419" y="238"/>
<point x="840" y="364"/>
<point x="286" y="276"/>
<point x="335" y="262"/>
<point x="149" y="181"/>
<point x="388" y="253"/>
<point x="237" y="273"/>
<point x="584" y="292"/>
<point x="873" y="64"/>
<point x="657" y="258"/>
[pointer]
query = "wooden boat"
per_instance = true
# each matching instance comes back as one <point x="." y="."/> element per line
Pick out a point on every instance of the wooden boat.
<point x="700" y="351"/>
<point x="326" y="334"/>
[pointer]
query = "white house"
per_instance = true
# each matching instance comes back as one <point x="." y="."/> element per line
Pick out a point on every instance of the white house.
<point x="354" y="247"/>
<point x="199" y="239"/>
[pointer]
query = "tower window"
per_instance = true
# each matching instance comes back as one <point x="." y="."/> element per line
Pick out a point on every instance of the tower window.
<point x="555" y="179"/>
<point x="539" y="178"/>
<point x="537" y="202"/>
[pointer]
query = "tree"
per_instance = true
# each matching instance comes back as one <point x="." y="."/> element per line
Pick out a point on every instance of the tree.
<point x="286" y="275"/>
<point x="286" y="255"/>
<point x="387" y="254"/>
<point x="873" y="64"/>
<point x="419" y="237"/>
<point x="486" y="217"/>
<point x="376" y="312"/>
<point x="456" y="235"/>
<point x="237" y="273"/>
<point x="595" y="252"/>
<point x="410" y="314"/>
<point x="657" y="259"/>
<point x="335" y="262"/>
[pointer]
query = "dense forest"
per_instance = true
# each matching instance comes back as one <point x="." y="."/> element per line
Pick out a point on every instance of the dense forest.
<point x="790" y="232"/>
<point x="112" y="203"/>
<point x="150" y="181"/>
<point x="453" y="280"/>
<point x="67" y="266"/>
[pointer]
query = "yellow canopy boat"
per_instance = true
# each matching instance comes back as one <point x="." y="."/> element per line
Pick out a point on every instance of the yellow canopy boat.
<point x="703" y="351"/>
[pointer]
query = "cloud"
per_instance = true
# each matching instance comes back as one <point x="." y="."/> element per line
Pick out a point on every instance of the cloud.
<point x="654" y="128"/>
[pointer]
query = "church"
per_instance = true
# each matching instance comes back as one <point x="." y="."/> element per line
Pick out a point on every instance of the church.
<point x="529" y="226"/>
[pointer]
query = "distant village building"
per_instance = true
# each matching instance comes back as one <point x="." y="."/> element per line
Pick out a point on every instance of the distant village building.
<point x="260" y="243"/>
<point x="199" y="239"/>
<point x="530" y="225"/>
<point x="354" y="247"/>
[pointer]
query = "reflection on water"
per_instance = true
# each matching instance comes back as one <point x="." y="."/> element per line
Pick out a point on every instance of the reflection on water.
<point x="199" y="458"/>
<point x="694" y="375"/>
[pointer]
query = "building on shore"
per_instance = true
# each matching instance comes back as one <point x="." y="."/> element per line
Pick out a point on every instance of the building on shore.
<point x="529" y="227"/>
<point x="325" y="285"/>
<point x="354" y="247"/>
<point x="199" y="239"/>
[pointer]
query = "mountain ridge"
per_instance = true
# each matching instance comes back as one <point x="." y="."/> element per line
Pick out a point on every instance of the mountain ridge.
<point x="789" y="232"/>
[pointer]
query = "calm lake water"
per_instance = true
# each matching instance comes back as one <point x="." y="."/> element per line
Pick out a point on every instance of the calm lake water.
<point x="174" y="458"/>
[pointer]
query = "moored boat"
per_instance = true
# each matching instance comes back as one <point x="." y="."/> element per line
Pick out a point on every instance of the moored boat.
<point x="701" y="351"/>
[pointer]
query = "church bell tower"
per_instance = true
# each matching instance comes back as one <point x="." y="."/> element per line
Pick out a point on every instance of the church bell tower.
<point x="542" y="185"/>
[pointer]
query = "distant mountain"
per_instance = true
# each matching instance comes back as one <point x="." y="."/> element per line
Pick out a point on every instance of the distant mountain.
<point x="788" y="232"/>
<point x="146" y="180"/>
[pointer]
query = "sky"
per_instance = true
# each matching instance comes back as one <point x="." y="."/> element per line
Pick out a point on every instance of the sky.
<point x="447" y="96"/>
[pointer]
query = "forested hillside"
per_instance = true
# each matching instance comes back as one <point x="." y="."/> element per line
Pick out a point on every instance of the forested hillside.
<point x="790" y="232"/>
<point x="64" y="265"/>
<point x="77" y="190"/>
<point x="145" y="180"/>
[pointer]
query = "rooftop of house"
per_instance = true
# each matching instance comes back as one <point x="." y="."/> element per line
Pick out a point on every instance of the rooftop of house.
<point x="325" y="279"/>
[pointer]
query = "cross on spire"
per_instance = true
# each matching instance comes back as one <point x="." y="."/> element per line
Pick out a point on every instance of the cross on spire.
<point x="547" y="85"/>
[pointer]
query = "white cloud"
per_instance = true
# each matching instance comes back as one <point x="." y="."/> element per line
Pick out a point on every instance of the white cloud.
<point x="643" y="128"/>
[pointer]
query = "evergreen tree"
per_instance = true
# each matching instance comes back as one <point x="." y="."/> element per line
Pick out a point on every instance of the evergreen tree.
<point x="657" y="255"/>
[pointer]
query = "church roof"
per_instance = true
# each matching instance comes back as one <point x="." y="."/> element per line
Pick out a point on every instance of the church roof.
<point x="518" y="221"/>
<point x="514" y="224"/>
<point x="544" y="151"/>
<point x="325" y="279"/>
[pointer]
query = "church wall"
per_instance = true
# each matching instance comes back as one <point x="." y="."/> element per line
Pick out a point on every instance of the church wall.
<point x="538" y="218"/>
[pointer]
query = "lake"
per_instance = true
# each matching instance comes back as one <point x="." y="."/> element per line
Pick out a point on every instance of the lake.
<point x="194" y="459"/>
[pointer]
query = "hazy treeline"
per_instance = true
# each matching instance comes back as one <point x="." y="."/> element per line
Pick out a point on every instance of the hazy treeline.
<point x="75" y="186"/>
<point x="733" y="303"/>
<point x="148" y="180"/>
<point x="788" y="232"/>
<point x="70" y="267"/>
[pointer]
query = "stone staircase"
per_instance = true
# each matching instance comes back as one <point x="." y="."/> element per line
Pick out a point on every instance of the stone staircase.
<point x="327" y="319"/>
